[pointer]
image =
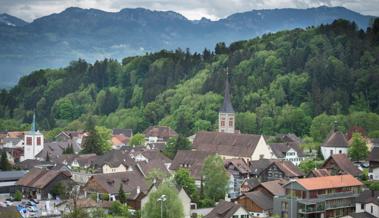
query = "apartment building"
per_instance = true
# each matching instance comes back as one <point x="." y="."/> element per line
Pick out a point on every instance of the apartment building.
<point x="318" y="197"/>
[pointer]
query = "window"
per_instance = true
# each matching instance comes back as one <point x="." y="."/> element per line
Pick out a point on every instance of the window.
<point x="231" y="123"/>
<point x="372" y="209"/>
<point x="38" y="140"/>
<point x="29" y="140"/>
<point x="362" y="206"/>
<point x="340" y="151"/>
<point x="222" y="123"/>
<point x="331" y="152"/>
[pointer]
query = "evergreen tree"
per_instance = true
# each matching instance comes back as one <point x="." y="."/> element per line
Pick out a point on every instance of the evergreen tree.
<point x="4" y="163"/>
<point x="121" y="195"/>
<point x="92" y="142"/>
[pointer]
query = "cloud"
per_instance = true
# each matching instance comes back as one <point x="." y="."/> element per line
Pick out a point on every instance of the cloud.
<point x="192" y="9"/>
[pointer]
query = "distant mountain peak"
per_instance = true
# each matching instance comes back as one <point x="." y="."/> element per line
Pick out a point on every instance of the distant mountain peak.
<point x="9" y="20"/>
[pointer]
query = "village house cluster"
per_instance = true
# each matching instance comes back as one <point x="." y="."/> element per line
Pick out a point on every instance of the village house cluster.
<point x="264" y="176"/>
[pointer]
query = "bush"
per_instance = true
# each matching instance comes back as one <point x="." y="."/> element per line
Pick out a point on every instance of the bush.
<point x="18" y="196"/>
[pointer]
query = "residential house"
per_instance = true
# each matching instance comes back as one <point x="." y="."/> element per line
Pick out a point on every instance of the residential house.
<point x="329" y="196"/>
<point x="257" y="203"/>
<point x="225" y="209"/>
<point x="38" y="183"/>
<point x="76" y="136"/>
<point x="155" y="134"/>
<point x="366" y="205"/>
<point x="13" y="143"/>
<point x="191" y="160"/>
<point x="280" y="169"/>
<point x="259" y="200"/>
<point x="132" y="182"/>
<point x="257" y="166"/>
<point x="318" y="173"/>
<point x="113" y="161"/>
<point x="30" y="164"/>
<point x="238" y="170"/>
<point x="233" y="145"/>
<point x="338" y="164"/>
<point x="374" y="163"/>
<point x="288" y="151"/>
<point x="125" y="132"/>
<point x="8" y="180"/>
<point x="54" y="150"/>
<point x="336" y="143"/>
<point x="249" y="184"/>
<point x="121" y="137"/>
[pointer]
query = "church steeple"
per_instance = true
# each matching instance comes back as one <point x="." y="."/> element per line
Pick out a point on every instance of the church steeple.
<point x="226" y="114"/>
<point x="34" y="123"/>
<point x="227" y="106"/>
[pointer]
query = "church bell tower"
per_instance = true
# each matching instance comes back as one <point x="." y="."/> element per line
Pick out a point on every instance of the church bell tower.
<point x="226" y="115"/>
<point x="33" y="142"/>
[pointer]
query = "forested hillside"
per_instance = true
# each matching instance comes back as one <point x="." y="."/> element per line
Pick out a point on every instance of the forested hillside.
<point x="56" y="39"/>
<point x="297" y="81"/>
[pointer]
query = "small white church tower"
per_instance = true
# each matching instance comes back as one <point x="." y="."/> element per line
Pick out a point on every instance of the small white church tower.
<point x="33" y="142"/>
<point x="226" y="115"/>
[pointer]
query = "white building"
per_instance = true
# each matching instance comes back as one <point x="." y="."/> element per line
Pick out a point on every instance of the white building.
<point x="33" y="142"/>
<point x="288" y="151"/>
<point x="336" y="143"/>
<point x="366" y="205"/>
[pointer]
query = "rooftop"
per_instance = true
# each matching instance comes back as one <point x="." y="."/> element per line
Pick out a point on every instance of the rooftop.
<point x="328" y="182"/>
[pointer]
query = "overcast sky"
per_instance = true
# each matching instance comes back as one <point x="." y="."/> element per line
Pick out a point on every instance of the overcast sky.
<point x="192" y="9"/>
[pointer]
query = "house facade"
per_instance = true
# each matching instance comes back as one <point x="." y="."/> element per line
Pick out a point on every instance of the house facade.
<point x="367" y="204"/>
<point x="338" y="164"/>
<point x="226" y="209"/>
<point x="38" y="183"/>
<point x="288" y="151"/>
<point x="323" y="197"/>
<point x="280" y="169"/>
<point x="373" y="158"/>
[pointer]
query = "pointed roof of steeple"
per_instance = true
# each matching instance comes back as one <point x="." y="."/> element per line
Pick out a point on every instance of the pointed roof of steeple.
<point x="227" y="106"/>
<point x="34" y="123"/>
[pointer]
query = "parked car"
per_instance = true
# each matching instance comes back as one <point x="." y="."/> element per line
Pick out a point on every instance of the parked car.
<point x="365" y="165"/>
<point x="2" y="204"/>
<point x="8" y="203"/>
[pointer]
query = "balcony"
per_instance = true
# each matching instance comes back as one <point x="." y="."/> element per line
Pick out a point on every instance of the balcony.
<point x="319" y="209"/>
<point x="338" y="206"/>
<point x="338" y="195"/>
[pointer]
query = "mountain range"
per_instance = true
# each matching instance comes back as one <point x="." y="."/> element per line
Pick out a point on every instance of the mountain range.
<point x="91" y="34"/>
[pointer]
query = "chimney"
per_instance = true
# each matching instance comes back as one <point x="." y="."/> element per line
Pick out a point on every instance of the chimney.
<point x="138" y="189"/>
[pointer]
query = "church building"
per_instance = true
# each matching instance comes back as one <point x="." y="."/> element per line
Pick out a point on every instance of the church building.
<point x="33" y="142"/>
<point x="229" y="143"/>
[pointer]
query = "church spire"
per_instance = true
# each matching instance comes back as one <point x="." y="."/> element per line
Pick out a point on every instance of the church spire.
<point x="34" y="122"/>
<point x="227" y="106"/>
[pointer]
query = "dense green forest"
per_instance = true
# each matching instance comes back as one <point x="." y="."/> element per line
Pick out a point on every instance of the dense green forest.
<point x="299" y="81"/>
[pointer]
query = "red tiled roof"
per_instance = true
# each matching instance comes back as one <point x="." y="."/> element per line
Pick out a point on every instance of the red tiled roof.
<point x="328" y="182"/>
